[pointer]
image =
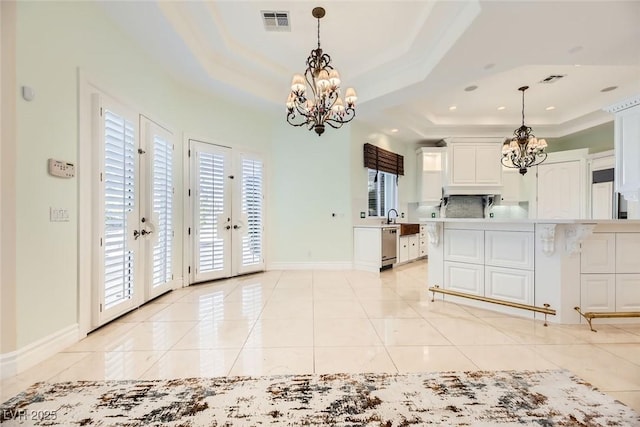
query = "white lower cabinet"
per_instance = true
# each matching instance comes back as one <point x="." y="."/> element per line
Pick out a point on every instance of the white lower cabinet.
<point x="464" y="246"/>
<point x="509" y="284"/>
<point x="615" y="256"/>
<point x="464" y="277"/>
<point x="403" y="249"/>
<point x="598" y="292"/>
<point x="408" y="248"/>
<point x="414" y="247"/>
<point x="627" y="292"/>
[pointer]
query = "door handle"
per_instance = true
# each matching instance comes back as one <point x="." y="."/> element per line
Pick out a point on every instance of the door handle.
<point x="136" y="234"/>
<point x="235" y="227"/>
<point x="145" y="232"/>
<point x="228" y="227"/>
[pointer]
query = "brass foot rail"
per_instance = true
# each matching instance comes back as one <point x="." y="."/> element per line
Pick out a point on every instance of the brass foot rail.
<point x="590" y="315"/>
<point x="545" y="310"/>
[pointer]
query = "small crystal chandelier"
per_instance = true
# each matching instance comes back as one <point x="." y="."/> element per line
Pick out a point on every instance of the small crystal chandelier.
<point x="324" y="105"/>
<point x="524" y="149"/>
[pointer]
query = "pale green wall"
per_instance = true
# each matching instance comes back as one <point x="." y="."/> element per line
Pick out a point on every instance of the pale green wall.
<point x="53" y="40"/>
<point x="310" y="181"/>
<point x="596" y="139"/>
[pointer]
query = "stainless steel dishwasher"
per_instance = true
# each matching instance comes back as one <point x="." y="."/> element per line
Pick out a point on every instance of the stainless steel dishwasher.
<point x="389" y="246"/>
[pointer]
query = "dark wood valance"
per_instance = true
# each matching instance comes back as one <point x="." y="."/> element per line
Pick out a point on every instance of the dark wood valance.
<point x="379" y="159"/>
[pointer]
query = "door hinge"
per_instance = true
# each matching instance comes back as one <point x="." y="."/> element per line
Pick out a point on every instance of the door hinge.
<point x="172" y="277"/>
<point x="189" y="230"/>
<point x="100" y="176"/>
<point x="101" y="242"/>
<point x="141" y="151"/>
<point x="189" y="153"/>
<point x="100" y="308"/>
<point x="101" y="111"/>
<point x="189" y="270"/>
<point x="189" y="192"/>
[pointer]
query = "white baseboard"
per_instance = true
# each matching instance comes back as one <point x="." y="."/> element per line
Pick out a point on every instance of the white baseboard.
<point x="345" y="265"/>
<point x="30" y="355"/>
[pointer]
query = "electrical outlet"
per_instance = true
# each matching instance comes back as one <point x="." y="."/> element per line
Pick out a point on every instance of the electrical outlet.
<point x="58" y="214"/>
<point x="363" y="215"/>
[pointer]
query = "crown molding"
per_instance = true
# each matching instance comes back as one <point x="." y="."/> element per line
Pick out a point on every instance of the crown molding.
<point x="623" y="105"/>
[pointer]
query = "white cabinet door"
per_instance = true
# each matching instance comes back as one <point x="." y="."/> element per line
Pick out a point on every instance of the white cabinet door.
<point x="598" y="254"/>
<point x="509" y="284"/>
<point x="627" y="253"/>
<point x="597" y="292"/>
<point x="512" y="183"/>
<point x="462" y="277"/>
<point x="602" y="200"/>
<point x="464" y="246"/>
<point x="559" y="190"/>
<point x="488" y="167"/>
<point x="414" y="249"/>
<point x="509" y="249"/>
<point x="463" y="164"/>
<point x="627" y="135"/>
<point x="627" y="292"/>
<point x="430" y="167"/>
<point x="403" y="251"/>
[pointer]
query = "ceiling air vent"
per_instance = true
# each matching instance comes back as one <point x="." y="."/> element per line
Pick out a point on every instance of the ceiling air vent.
<point x="552" y="78"/>
<point x="275" y="20"/>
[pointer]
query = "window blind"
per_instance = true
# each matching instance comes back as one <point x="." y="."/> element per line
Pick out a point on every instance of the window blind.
<point x="379" y="159"/>
<point x="252" y="177"/>
<point x="163" y="207"/>
<point x="210" y="204"/>
<point x="119" y="200"/>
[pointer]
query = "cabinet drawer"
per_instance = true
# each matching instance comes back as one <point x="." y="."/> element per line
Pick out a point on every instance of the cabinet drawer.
<point x="509" y="284"/>
<point x="464" y="246"/>
<point x="510" y="249"/>
<point x="462" y="277"/>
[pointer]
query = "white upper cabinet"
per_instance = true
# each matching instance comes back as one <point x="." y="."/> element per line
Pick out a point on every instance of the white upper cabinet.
<point x="430" y="170"/>
<point x="474" y="168"/>
<point x="512" y="183"/>
<point x="627" y="148"/>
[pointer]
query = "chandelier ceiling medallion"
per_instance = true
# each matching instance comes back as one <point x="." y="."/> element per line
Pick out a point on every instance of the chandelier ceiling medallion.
<point x="523" y="150"/>
<point x="322" y="105"/>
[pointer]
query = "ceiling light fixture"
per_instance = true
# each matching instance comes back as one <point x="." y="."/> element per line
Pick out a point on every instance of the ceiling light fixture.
<point x="502" y="107"/>
<point x="550" y="107"/>
<point x="394" y="130"/>
<point x="523" y="150"/>
<point x="453" y="108"/>
<point x="324" y="105"/>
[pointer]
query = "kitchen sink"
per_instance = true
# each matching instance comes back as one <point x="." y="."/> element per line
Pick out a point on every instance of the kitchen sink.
<point x="406" y="229"/>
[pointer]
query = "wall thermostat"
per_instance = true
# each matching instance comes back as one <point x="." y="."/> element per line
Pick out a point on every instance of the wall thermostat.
<point x="61" y="169"/>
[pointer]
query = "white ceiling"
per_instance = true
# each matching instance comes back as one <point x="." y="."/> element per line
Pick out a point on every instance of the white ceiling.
<point x="409" y="60"/>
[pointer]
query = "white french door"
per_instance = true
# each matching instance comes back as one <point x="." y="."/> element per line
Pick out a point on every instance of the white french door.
<point x="227" y="206"/>
<point x="133" y="205"/>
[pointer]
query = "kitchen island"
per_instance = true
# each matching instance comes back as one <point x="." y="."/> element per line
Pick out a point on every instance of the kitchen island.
<point x="591" y="264"/>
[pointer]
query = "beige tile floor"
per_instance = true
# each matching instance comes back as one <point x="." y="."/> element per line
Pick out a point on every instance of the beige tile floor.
<point x="334" y="321"/>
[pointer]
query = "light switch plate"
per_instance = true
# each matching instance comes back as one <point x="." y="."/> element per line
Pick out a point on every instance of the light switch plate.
<point x="61" y="169"/>
<point x="58" y="215"/>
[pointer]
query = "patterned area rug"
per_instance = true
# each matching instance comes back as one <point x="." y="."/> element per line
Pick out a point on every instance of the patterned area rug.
<point x="449" y="398"/>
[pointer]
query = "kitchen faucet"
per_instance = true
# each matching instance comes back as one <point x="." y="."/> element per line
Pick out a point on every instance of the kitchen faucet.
<point x="389" y="213"/>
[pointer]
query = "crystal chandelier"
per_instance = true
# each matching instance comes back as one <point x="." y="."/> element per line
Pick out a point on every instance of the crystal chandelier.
<point x="323" y="105"/>
<point x="524" y="149"/>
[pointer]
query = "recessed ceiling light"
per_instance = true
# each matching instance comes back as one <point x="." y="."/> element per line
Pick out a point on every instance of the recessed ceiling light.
<point x="470" y="88"/>
<point x="394" y="130"/>
<point x="502" y="107"/>
<point x="550" y="107"/>
<point x="453" y="108"/>
<point x="577" y="65"/>
<point x="609" y="89"/>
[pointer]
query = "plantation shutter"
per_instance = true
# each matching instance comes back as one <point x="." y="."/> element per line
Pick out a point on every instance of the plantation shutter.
<point x="119" y="201"/>
<point x="163" y="209"/>
<point x="252" y="187"/>
<point x="211" y="203"/>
